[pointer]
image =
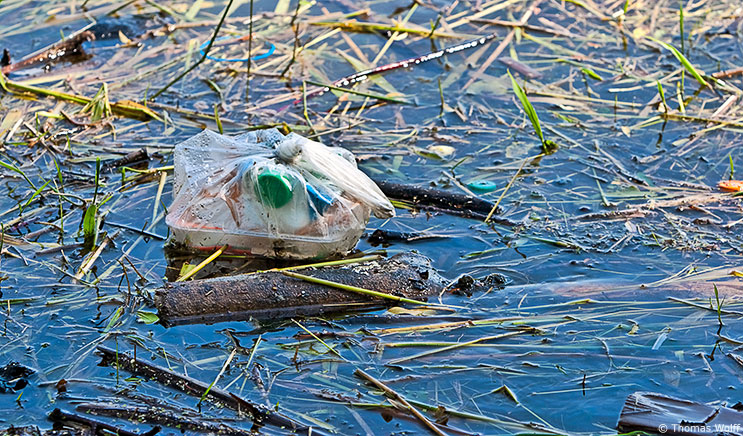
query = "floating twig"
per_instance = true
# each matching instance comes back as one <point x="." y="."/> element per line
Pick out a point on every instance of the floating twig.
<point x="399" y="398"/>
<point x="159" y="415"/>
<point x="503" y="194"/>
<point x="203" y="58"/>
<point x="61" y="416"/>
<point x="259" y="414"/>
<point x="362" y="76"/>
<point x="201" y="265"/>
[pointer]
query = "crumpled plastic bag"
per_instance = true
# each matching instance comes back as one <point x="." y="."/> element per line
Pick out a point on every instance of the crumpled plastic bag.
<point x="268" y="194"/>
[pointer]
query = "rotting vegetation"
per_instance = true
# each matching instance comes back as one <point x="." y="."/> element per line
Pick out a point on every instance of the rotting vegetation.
<point x="613" y="240"/>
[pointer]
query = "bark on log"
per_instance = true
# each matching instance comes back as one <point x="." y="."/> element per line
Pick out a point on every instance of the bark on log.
<point x="658" y="413"/>
<point x="272" y="295"/>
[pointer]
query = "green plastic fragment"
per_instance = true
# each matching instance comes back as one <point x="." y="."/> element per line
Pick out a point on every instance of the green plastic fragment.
<point x="274" y="189"/>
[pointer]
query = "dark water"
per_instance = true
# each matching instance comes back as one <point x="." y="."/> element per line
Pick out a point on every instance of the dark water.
<point x="569" y="362"/>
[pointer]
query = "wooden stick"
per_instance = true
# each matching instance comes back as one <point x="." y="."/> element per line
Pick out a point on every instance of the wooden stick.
<point x="206" y="52"/>
<point x="399" y="398"/>
<point x="505" y="191"/>
<point x="85" y="267"/>
<point x="728" y="73"/>
<point x="441" y="201"/>
<point x="161" y="416"/>
<point x="61" y="416"/>
<point x="201" y="266"/>
<point x="258" y="413"/>
<point x="361" y="76"/>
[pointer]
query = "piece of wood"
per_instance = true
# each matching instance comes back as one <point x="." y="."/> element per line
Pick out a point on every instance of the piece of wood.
<point x="61" y="417"/>
<point x="391" y="393"/>
<point x="272" y="295"/>
<point x="30" y="430"/>
<point x="439" y="200"/>
<point x="161" y="416"/>
<point x="424" y="196"/>
<point x="261" y="415"/>
<point x="134" y="157"/>
<point x="658" y="413"/>
<point x="68" y="49"/>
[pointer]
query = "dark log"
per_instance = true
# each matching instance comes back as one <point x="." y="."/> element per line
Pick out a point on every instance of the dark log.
<point x="30" y="430"/>
<point x="272" y="295"/>
<point x="443" y="200"/>
<point x="70" y="48"/>
<point x="261" y="415"/>
<point x="658" y="413"/>
<point x="384" y="236"/>
<point x="162" y="416"/>
<point x="59" y="416"/>
<point x="438" y="200"/>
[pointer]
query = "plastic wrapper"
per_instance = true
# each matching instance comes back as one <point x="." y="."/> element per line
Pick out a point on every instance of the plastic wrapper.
<point x="267" y="194"/>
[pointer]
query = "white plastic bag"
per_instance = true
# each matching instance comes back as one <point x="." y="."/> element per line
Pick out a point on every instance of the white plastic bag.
<point x="271" y="195"/>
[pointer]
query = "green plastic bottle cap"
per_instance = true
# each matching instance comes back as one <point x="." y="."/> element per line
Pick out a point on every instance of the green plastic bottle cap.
<point x="274" y="189"/>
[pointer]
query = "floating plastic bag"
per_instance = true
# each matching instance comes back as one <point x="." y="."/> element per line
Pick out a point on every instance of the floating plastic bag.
<point x="272" y="195"/>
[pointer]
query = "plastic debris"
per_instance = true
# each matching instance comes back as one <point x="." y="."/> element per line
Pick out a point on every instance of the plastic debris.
<point x="267" y="194"/>
<point x="202" y="48"/>
<point x="482" y="186"/>
<point x="652" y="412"/>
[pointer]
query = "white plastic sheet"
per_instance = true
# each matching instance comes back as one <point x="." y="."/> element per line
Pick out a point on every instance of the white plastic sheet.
<point x="270" y="195"/>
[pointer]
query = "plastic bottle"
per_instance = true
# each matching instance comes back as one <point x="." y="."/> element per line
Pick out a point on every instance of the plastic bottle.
<point x="282" y="192"/>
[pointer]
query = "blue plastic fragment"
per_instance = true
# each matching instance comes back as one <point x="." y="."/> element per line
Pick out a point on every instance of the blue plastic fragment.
<point x="483" y="186"/>
<point x="270" y="51"/>
<point x="320" y="200"/>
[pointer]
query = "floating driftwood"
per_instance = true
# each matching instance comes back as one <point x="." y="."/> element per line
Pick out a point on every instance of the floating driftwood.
<point x="30" y="430"/>
<point x="658" y="413"/>
<point x="272" y="294"/>
<point x="71" y="424"/>
<point x="81" y="425"/>
<point x="424" y="197"/>
<point x="260" y="415"/>
<point x="71" y="49"/>
<point x="158" y="415"/>
<point x="134" y="157"/>
<point x="68" y="49"/>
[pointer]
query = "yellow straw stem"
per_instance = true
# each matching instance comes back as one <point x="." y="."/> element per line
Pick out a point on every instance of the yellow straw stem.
<point x="200" y="266"/>
<point x="359" y="290"/>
